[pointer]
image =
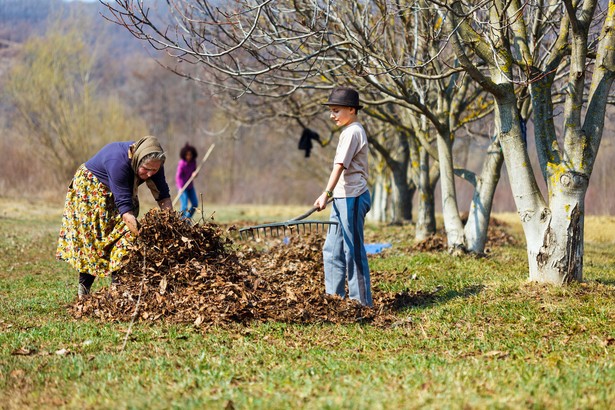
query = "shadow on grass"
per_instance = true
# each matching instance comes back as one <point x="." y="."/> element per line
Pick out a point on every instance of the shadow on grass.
<point x="404" y="300"/>
<point x="608" y="282"/>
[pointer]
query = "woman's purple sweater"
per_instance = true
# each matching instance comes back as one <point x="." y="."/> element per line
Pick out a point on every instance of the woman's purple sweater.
<point x="113" y="168"/>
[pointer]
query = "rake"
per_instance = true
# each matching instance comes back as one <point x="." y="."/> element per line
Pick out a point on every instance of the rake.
<point x="296" y="225"/>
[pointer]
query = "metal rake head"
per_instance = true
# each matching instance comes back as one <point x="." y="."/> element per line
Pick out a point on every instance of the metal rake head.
<point x="282" y="228"/>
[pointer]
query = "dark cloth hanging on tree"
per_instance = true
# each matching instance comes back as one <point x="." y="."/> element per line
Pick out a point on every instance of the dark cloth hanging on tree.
<point x="305" y="142"/>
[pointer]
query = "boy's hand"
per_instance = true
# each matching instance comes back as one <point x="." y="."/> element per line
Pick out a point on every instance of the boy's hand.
<point x="321" y="202"/>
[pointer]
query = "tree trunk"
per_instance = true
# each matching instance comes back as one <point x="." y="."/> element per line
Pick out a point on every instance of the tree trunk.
<point x="380" y="199"/>
<point x="452" y="221"/>
<point x="480" y="209"/>
<point x="426" y="213"/>
<point x="404" y="192"/>
<point x="399" y="203"/>
<point x="558" y="257"/>
<point x="554" y="234"/>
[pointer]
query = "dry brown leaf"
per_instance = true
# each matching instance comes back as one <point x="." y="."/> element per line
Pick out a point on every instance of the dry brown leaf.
<point x="23" y="351"/>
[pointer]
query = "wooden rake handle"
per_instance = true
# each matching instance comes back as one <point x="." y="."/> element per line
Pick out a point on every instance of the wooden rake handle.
<point x="308" y="213"/>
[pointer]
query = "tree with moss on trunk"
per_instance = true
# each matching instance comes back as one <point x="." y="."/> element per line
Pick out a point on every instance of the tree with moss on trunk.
<point x="562" y="53"/>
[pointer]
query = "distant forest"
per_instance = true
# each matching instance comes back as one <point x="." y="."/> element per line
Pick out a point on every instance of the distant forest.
<point x="256" y="163"/>
<point x="259" y="163"/>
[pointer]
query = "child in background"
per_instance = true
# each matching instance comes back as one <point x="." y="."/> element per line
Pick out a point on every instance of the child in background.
<point x="344" y="254"/>
<point x="186" y="168"/>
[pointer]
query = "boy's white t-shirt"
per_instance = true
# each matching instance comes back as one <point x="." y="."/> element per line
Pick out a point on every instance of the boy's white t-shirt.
<point x="351" y="152"/>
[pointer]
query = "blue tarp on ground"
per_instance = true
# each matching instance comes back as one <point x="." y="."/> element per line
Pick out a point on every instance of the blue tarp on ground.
<point x="372" y="248"/>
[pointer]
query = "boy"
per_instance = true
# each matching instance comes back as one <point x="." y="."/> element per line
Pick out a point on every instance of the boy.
<point x="343" y="253"/>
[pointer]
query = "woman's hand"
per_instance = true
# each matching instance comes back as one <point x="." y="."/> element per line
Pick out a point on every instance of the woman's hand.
<point x="131" y="222"/>
<point x="165" y="204"/>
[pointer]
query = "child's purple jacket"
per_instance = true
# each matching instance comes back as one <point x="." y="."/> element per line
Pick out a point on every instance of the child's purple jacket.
<point x="184" y="172"/>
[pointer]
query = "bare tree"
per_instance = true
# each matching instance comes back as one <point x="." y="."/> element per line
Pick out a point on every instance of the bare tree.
<point x="563" y="53"/>
<point x="393" y="51"/>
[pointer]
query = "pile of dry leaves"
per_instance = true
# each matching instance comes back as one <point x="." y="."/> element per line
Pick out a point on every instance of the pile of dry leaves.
<point x="188" y="273"/>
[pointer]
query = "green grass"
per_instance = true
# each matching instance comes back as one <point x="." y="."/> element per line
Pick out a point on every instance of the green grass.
<point x="489" y="339"/>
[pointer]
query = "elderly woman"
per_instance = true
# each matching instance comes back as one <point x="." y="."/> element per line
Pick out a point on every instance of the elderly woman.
<point x="100" y="213"/>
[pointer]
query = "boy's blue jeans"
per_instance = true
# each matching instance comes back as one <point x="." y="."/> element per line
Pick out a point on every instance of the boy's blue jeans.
<point x="344" y="254"/>
<point x="188" y="195"/>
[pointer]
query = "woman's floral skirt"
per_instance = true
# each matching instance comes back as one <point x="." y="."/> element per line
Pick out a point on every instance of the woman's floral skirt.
<point x="94" y="239"/>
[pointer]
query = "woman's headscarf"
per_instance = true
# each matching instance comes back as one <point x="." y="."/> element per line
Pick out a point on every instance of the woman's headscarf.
<point x="136" y="153"/>
<point x="138" y="150"/>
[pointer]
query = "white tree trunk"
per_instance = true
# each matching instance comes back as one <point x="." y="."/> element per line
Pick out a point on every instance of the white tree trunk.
<point x="380" y="198"/>
<point x="554" y="234"/>
<point x="557" y="257"/>
<point x="480" y="209"/>
<point x="452" y="222"/>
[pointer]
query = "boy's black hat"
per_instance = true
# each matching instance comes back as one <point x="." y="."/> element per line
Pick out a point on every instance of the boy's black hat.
<point x="344" y="96"/>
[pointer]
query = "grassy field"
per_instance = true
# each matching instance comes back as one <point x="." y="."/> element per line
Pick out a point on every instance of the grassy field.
<point x="489" y="339"/>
